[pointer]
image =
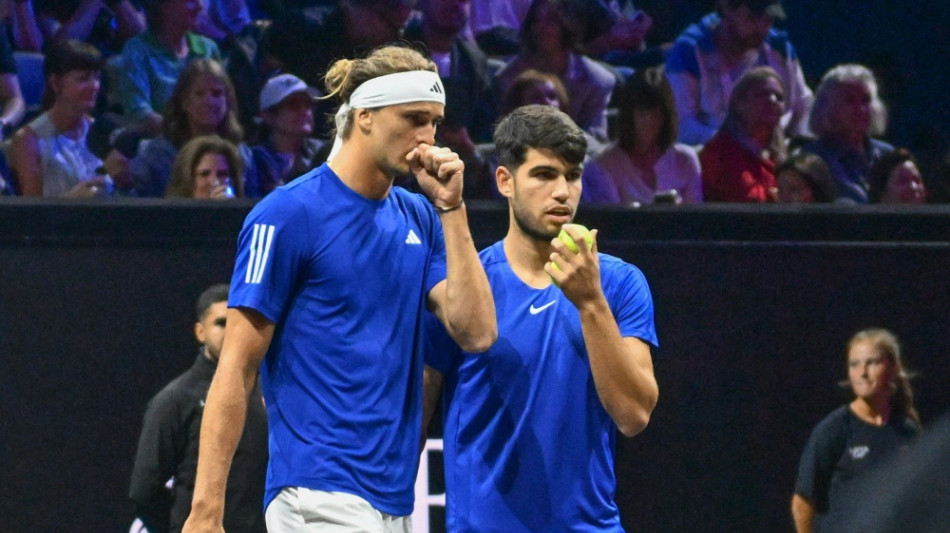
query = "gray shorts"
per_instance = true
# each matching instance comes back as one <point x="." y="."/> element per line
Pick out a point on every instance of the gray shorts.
<point x="300" y="510"/>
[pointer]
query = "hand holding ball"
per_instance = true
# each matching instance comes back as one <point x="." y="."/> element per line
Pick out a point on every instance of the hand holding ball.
<point x="569" y="242"/>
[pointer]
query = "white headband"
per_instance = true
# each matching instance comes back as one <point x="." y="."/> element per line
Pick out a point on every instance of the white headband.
<point x="391" y="89"/>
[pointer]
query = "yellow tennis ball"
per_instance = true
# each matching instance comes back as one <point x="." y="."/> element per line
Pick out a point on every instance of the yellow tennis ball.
<point x="569" y="241"/>
<point x="571" y="245"/>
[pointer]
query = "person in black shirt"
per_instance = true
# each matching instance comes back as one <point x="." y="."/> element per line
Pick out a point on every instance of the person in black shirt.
<point x="163" y="477"/>
<point x="858" y="437"/>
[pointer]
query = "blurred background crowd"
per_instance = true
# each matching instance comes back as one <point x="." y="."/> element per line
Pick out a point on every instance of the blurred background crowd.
<point x="682" y="101"/>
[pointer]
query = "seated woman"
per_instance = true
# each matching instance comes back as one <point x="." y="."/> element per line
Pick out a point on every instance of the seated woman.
<point x="739" y="161"/>
<point x="804" y="179"/>
<point x="846" y="113"/>
<point x="895" y="179"/>
<point x="203" y="103"/>
<point x="287" y="149"/>
<point x="49" y="155"/>
<point x="855" y="438"/>
<point x="646" y="159"/>
<point x="547" y="44"/>
<point x="207" y="168"/>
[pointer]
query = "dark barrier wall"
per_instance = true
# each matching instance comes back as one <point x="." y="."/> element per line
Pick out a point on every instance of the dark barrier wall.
<point x="753" y="306"/>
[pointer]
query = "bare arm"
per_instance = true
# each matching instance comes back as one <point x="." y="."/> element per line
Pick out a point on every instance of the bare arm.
<point x="245" y="343"/>
<point x="80" y="24"/>
<point x="431" y="390"/>
<point x="25" y="160"/>
<point x="26" y="32"/>
<point x="804" y="514"/>
<point x="14" y="107"/>
<point x="463" y="301"/>
<point x="621" y="366"/>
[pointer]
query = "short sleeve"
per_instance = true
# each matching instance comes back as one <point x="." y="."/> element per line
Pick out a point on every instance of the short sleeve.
<point x="437" y="270"/>
<point x="632" y="304"/>
<point x="273" y="249"/>
<point x="817" y="464"/>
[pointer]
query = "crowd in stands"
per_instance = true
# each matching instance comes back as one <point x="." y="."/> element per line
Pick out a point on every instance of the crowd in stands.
<point x="722" y="113"/>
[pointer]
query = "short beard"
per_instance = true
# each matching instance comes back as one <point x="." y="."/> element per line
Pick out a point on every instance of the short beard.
<point x="526" y="227"/>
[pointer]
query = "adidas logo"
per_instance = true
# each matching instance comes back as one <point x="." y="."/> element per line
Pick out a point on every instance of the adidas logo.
<point x="436" y="88"/>
<point x="412" y="238"/>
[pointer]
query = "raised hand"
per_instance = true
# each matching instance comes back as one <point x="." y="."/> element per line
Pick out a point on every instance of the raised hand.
<point x="439" y="172"/>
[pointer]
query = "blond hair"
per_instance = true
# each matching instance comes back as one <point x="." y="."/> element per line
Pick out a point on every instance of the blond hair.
<point x="885" y="342"/>
<point x="345" y="75"/>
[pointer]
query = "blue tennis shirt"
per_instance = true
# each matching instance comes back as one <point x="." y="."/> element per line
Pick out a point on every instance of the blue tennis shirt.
<point x="528" y="446"/>
<point x="345" y="279"/>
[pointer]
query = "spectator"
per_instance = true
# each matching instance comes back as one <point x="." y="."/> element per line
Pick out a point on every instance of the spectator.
<point x="616" y="32"/>
<point x="547" y="43"/>
<point x="847" y="113"/>
<point x="168" y="445"/>
<point x="223" y="19"/>
<point x="12" y="104"/>
<point x="495" y="25"/>
<point x="305" y="48"/>
<point x="709" y="58"/>
<point x="466" y="75"/>
<point x="463" y="67"/>
<point x="624" y="34"/>
<point x="535" y="87"/>
<point x="207" y="167"/>
<point x="804" y="179"/>
<point x="287" y="149"/>
<point x="154" y="60"/>
<point x="49" y="155"/>
<point x="895" y="179"/>
<point x="107" y="24"/>
<point x="880" y="421"/>
<point x="646" y="159"/>
<point x="203" y="103"/>
<point x="739" y="161"/>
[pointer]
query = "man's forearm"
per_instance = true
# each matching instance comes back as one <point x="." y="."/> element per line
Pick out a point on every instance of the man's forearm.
<point x="469" y="306"/>
<point x="621" y="368"/>
<point x="221" y="428"/>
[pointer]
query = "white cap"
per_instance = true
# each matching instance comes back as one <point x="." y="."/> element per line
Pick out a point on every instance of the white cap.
<point x="280" y="87"/>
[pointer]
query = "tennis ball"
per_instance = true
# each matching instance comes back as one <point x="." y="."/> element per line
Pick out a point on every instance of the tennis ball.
<point x="569" y="241"/>
<point x="571" y="245"/>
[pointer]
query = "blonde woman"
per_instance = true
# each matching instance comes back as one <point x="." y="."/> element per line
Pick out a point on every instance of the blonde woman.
<point x="879" y="421"/>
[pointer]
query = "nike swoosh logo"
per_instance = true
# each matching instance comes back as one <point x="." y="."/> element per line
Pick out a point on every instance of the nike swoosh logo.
<point x="535" y="310"/>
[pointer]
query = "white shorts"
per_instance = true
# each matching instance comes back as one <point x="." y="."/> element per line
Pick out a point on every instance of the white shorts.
<point x="297" y="510"/>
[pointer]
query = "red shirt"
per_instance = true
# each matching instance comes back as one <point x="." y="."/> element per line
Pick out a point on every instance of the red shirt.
<point x="733" y="173"/>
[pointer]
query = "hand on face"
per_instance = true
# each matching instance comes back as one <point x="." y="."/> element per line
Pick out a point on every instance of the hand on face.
<point x="439" y="172"/>
<point x="577" y="273"/>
